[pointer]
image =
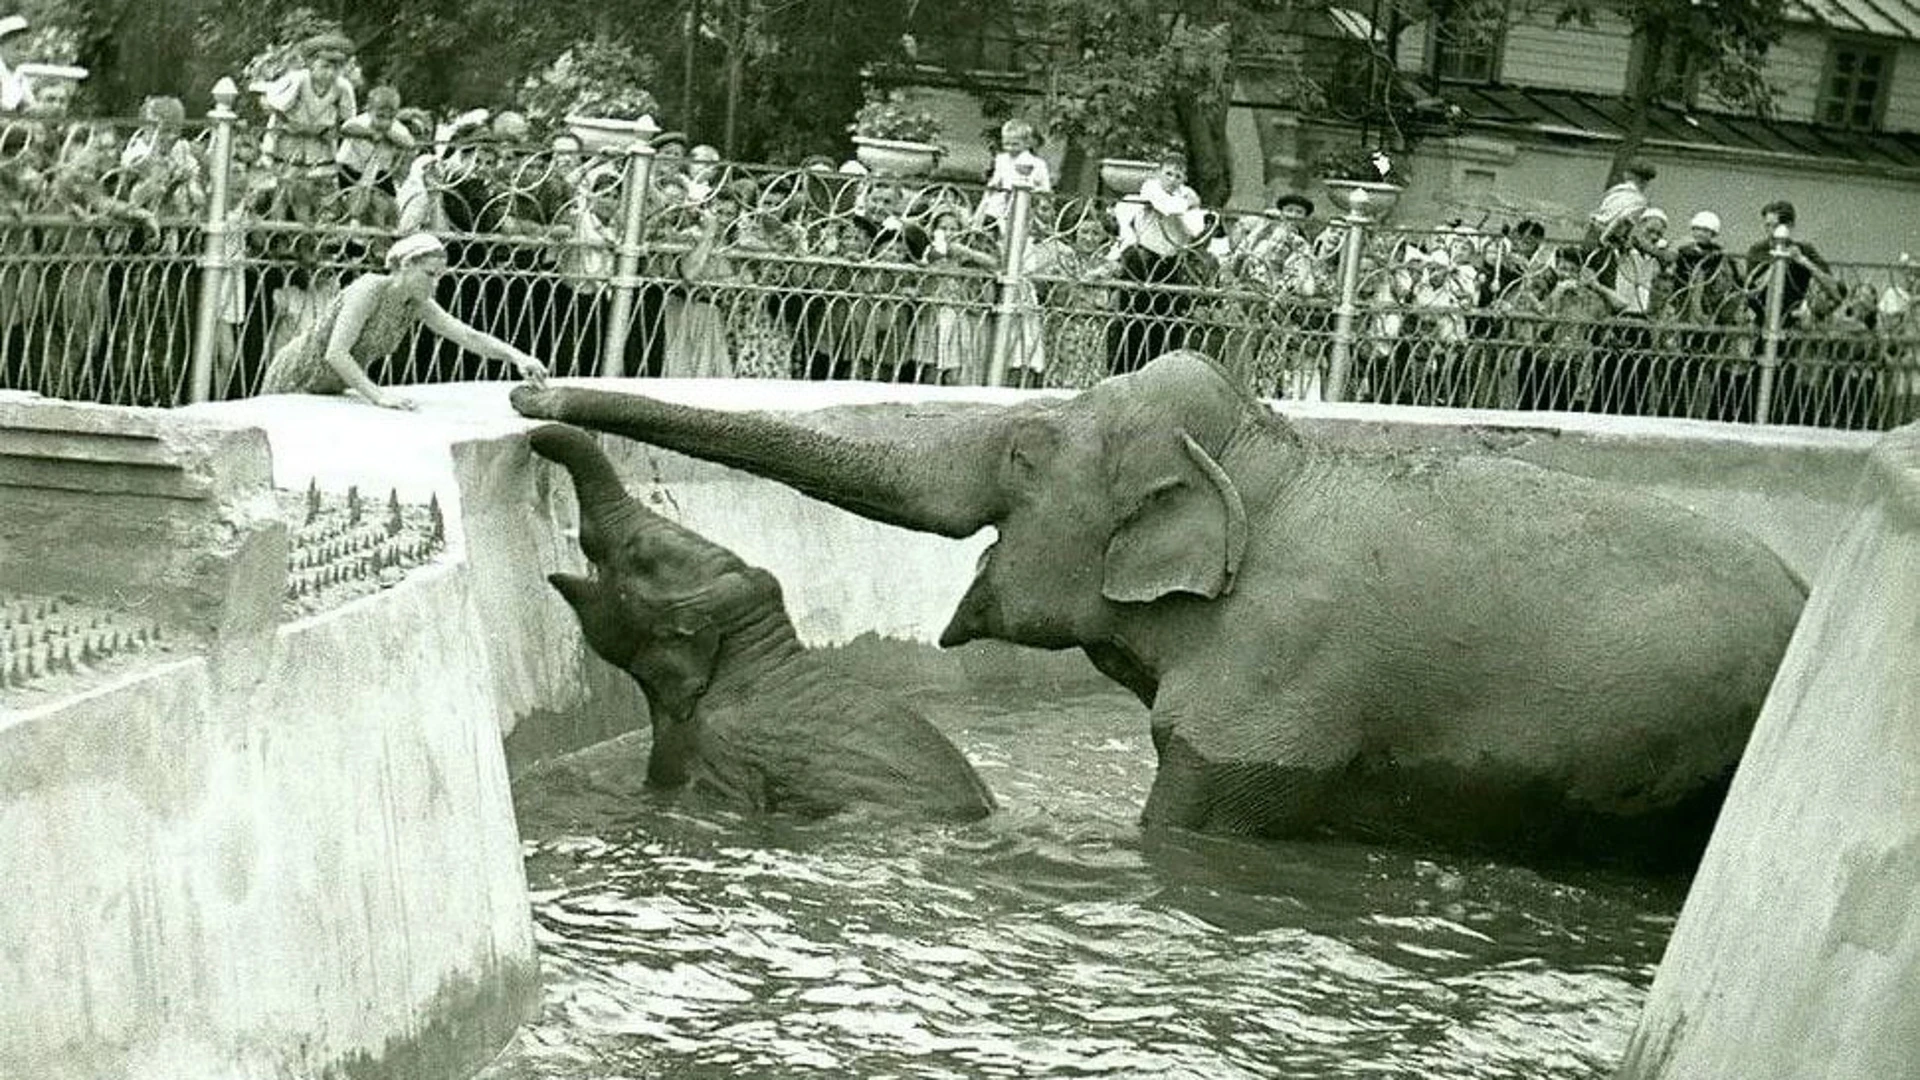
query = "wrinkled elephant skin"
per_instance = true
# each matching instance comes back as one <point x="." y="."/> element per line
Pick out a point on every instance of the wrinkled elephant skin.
<point x="1446" y="648"/>
<point x="743" y="715"/>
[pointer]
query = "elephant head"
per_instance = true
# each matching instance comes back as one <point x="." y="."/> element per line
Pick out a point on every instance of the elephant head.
<point x="662" y="601"/>
<point x="1112" y="497"/>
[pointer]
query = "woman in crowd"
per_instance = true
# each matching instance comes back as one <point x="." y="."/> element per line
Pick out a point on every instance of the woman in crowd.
<point x="374" y="316"/>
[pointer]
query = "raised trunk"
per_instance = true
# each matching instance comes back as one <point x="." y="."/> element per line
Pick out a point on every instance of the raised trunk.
<point x="931" y="467"/>
<point x="607" y="512"/>
<point x="594" y="480"/>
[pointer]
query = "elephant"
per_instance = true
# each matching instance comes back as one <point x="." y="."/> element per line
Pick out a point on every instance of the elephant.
<point x="744" y="716"/>
<point x="1424" y="647"/>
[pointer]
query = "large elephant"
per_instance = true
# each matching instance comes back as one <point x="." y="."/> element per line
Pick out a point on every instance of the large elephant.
<point x="1462" y="649"/>
<point x="742" y="713"/>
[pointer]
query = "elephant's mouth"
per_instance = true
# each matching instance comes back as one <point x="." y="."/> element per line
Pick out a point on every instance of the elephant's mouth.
<point x="978" y="614"/>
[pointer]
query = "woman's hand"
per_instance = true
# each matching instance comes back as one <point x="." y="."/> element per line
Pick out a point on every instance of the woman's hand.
<point x="395" y="401"/>
<point x="531" y="370"/>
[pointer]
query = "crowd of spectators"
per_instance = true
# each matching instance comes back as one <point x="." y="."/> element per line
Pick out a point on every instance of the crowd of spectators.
<point x="824" y="270"/>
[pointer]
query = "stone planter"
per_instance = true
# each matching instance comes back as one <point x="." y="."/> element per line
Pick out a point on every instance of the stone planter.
<point x="895" y="157"/>
<point x="1369" y="200"/>
<point x="1123" y="176"/>
<point x="607" y="133"/>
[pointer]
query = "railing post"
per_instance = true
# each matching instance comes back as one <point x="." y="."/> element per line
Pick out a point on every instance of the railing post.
<point x="214" y="265"/>
<point x="1780" y="250"/>
<point x="1349" y="305"/>
<point x="626" y="270"/>
<point x="1007" y="309"/>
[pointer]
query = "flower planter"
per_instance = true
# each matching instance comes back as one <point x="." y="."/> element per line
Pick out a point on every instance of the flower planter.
<point x="1369" y="200"/>
<point x="607" y="133"/>
<point x="895" y="157"/>
<point x="1123" y="176"/>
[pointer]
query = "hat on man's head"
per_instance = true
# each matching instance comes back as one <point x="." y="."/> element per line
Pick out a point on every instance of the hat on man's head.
<point x="12" y="24"/>
<point x="1654" y="213"/>
<point x="1705" y="219"/>
<point x="1294" y="198"/>
<point x="668" y="138"/>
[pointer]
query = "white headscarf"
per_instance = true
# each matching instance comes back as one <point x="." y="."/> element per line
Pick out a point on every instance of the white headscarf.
<point x="408" y="248"/>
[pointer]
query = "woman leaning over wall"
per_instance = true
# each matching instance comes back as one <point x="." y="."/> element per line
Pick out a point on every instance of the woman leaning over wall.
<point x="374" y="316"/>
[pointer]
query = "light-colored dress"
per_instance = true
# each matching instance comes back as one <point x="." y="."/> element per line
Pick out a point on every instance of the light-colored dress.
<point x="300" y="367"/>
<point x="293" y="99"/>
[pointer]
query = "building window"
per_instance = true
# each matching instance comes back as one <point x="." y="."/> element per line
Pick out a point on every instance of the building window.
<point x="1465" y="40"/>
<point x="1854" y="92"/>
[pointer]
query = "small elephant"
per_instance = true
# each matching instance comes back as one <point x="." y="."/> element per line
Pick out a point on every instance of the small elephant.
<point x="1460" y="649"/>
<point x="743" y="714"/>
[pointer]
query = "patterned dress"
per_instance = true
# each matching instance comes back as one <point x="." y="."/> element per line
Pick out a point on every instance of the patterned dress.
<point x="300" y="367"/>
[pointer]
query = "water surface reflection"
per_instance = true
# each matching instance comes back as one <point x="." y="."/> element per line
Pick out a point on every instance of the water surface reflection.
<point x="1049" y="941"/>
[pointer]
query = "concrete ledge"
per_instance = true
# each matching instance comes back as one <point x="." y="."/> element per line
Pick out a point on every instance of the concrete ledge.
<point x="141" y="509"/>
<point x="1797" y="953"/>
<point x="307" y="865"/>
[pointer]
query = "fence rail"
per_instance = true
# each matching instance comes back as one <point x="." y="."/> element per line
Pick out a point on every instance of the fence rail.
<point x="174" y="277"/>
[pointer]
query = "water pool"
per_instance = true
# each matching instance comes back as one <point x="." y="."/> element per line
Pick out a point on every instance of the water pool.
<point x="1051" y="940"/>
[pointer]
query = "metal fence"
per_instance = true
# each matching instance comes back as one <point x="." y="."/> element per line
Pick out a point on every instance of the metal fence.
<point x="137" y="276"/>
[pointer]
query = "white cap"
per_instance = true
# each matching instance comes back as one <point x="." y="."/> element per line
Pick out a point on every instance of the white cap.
<point x="12" y="24"/>
<point x="413" y="246"/>
<point x="1705" y="219"/>
<point x="1655" y="213"/>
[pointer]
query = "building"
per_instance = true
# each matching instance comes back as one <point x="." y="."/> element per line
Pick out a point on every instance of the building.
<point x="1536" y="109"/>
<point x="1521" y="111"/>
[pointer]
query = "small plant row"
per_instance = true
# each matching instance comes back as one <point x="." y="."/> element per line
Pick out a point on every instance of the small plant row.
<point x="42" y="637"/>
<point x="346" y="546"/>
<point x="323" y="520"/>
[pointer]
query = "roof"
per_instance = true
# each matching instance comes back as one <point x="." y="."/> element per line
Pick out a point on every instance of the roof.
<point x="1570" y="114"/>
<point x="1884" y="18"/>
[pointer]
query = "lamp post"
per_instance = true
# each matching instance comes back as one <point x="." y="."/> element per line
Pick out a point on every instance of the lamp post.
<point x="214" y="262"/>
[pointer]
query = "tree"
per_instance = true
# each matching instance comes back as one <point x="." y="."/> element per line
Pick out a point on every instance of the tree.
<point x="1685" y="47"/>
<point x="1133" y="75"/>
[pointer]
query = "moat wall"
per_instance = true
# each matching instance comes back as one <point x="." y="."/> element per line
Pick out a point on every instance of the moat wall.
<point x="304" y="862"/>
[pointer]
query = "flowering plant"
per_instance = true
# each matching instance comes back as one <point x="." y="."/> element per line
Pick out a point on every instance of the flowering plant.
<point x="591" y="78"/>
<point x="889" y="116"/>
<point x="1369" y="164"/>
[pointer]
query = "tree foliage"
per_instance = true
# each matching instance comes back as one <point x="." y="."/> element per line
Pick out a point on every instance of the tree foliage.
<point x="1686" y="49"/>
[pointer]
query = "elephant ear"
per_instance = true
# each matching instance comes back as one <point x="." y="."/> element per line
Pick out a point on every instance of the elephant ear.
<point x="1185" y="529"/>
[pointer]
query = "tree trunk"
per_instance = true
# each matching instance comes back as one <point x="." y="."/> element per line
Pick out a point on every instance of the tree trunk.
<point x="1075" y="177"/>
<point x="689" y="37"/>
<point x="1650" y="40"/>
<point x="737" y="44"/>
<point x="1203" y="126"/>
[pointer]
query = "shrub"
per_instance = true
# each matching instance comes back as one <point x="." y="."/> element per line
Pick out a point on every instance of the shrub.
<point x="891" y="116"/>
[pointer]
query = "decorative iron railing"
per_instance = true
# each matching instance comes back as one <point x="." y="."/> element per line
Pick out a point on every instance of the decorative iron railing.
<point x="157" y="271"/>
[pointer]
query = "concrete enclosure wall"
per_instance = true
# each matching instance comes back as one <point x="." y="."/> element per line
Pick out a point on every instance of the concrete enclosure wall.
<point x="1797" y="953"/>
<point x="307" y="864"/>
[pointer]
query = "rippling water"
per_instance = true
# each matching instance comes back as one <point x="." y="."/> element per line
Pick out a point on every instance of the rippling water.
<point x="1049" y="940"/>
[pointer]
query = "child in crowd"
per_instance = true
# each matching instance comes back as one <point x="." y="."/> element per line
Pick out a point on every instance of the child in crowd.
<point x="374" y="147"/>
<point x="164" y="171"/>
<point x="1015" y="166"/>
<point x="306" y="106"/>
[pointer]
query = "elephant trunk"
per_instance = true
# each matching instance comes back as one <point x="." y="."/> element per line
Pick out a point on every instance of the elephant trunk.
<point x="607" y="512"/>
<point x="931" y="467"/>
<point x="594" y="481"/>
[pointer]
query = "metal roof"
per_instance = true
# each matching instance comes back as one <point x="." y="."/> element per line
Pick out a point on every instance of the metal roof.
<point x="1884" y="18"/>
<point x="1568" y="113"/>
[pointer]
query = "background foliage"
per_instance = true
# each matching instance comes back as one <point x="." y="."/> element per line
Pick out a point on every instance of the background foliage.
<point x="780" y="79"/>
